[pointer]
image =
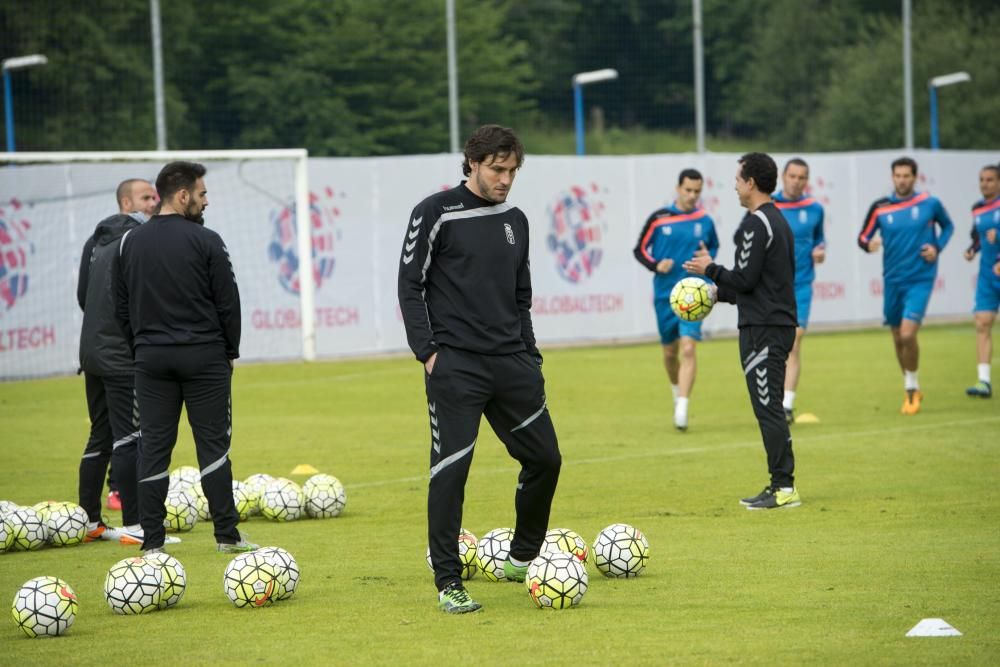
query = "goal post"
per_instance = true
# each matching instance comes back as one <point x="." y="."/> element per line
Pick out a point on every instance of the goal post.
<point x="300" y="170"/>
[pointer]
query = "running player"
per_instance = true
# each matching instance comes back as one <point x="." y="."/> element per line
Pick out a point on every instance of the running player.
<point x="985" y="230"/>
<point x="905" y="221"/>
<point x="805" y="217"/>
<point x="671" y="236"/>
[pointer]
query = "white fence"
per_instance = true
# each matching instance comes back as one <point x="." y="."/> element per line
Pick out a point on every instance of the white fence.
<point x="591" y="207"/>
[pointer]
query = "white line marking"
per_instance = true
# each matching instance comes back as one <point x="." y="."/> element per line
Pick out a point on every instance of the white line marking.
<point x="658" y="453"/>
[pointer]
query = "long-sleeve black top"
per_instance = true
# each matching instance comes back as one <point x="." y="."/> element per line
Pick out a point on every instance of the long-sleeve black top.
<point x="175" y="286"/>
<point x="762" y="282"/>
<point x="464" y="276"/>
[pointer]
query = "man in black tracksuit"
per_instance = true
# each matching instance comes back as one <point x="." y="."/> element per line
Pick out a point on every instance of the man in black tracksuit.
<point x="178" y="306"/>
<point x="106" y="361"/>
<point x="465" y="296"/>
<point x="761" y="284"/>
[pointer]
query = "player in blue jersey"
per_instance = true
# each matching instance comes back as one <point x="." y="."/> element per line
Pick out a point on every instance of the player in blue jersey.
<point x="985" y="232"/>
<point x="669" y="238"/>
<point x="905" y="221"/>
<point x="805" y="216"/>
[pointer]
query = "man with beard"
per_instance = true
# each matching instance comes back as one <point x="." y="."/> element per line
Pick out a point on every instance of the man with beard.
<point x="465" y="295"/>
<point x="179" y="308"/>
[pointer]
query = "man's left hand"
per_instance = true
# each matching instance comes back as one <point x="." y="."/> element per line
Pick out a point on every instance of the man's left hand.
<point x="928" y="252"/>
<point x="699" y="262"/>
<point x="819" y="254"/>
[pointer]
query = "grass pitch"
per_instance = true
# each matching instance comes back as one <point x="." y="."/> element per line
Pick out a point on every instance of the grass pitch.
<point x="899" y="520"/>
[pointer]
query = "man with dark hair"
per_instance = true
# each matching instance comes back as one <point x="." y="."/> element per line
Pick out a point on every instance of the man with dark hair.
<point x="106" y="363"/>
<point x="985" y="232"/>
<point x="670" y="236"/>
<point x="179" y="308"/>
<point x="905" y="221"/>
<point x="465" y="296"/>
<point x="761" y="286"/>
<point x="805" y="217"/>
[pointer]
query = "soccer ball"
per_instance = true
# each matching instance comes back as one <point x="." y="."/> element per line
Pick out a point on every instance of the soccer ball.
<point x="133" y="586"/>
<point x="197" y="496"/>
<point x="243" y="501"/>
<point x="492" y="551"/>
<point x="182" y="512"/>
<point x="7" y="506"/>
<point x="691" y="299"/>
<point x="184" y="476"/>
<point x="556" y="580"/>
<point x="286" y="571"/>
<point x="44" y="607"/>
<point x="66" y="524"/>
<point x="467" y="548"/>
<point x="28" y="528"/>
<point x="567" y="541"/>
<point x="282" y="500"/>
<point x="325" y="496"/>
<point x="250" y="580"/>
<point x="621" y="551"/>
<point x="6" y="534"/>
<point x="174" y="578"/>
<point x="255" y="486"/>
<point x="43" y="508"/>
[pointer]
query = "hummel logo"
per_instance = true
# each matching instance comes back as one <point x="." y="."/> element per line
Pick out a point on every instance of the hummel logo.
<point x="453" y="208"/>
<point x="416" y="222"/>
<point x="748" y="235"/>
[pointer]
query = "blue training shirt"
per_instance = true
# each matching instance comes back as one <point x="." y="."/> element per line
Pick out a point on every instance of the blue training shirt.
<point x="805" y="217"/>
<point x="986" y="216"/>
<point x="905" y="226"/>
<point x="670" y="233"/>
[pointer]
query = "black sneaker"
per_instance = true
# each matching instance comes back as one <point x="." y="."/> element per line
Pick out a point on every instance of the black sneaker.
<point x="789" y="416"/>
<point x="756" y="499"/>
<point x="981" y="389"/>
<point x="777" y="499"/>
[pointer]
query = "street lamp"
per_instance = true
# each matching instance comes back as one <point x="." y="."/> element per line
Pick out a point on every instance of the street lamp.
<point x="932" y="86"/>
<point x="580" y="80"/>
<point x="9" y="65"/>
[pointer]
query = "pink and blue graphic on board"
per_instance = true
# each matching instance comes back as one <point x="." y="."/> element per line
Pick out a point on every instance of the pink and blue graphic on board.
<point x="576" y="232"/>
<point x="16" y="250"/>
<point x="283" y="250"/>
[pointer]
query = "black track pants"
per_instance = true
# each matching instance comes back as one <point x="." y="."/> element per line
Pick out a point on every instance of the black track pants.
<point x="200" y="378"/>
<point x="114" y="436"/>
<point x="510" y="391"/>
<point x="764" y="352"/>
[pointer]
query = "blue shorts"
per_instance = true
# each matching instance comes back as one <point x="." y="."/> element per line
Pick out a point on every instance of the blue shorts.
<point x="672" y="327"/>
<point x="906" y="302"/>
<point x="803" y="302"/>
<point x="987" y="294"/>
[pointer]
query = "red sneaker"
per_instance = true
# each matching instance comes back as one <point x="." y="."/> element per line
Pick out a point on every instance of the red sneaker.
<point x="114" y="501"/>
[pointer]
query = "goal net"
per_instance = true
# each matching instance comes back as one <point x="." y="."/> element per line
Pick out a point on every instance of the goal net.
<point x="51" y="202"/>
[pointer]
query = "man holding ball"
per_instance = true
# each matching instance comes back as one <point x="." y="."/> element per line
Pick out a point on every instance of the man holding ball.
<point x="761" y="284"/>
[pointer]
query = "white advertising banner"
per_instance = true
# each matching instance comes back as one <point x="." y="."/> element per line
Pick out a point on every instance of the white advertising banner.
<point x="585" y="216"/>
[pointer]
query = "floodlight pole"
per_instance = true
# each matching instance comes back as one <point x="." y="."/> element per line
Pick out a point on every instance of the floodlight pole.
<point x="932" y="86"/>
<point x="9" y="65"/>
<point x="159" y="104"/>
<point x="699" y="77"/>
<point x="452" y="77"/>
<point x="581" y="79"/>
<point x="907" y="76"/>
